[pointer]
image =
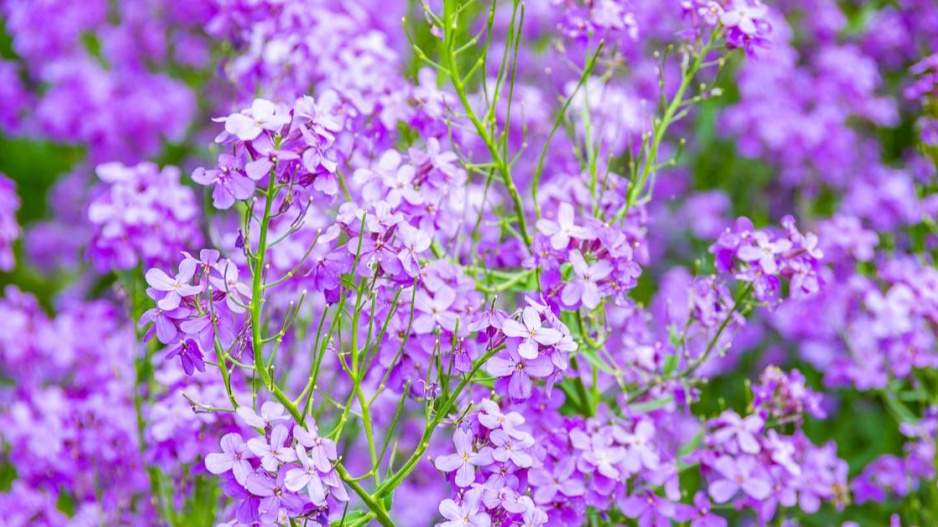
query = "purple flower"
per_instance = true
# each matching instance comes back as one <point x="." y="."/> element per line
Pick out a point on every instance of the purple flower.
<point x="599" y="453"/>
<point x="175" y="288"/>
<point x="228" y="181"/>
<point x="549" y="483"/>
<point x="465" y="515"/>
<point x="274" y="453"/>
<point x="322" y="450"/>
<point x="742" y="430"/>
<point x="508" y="448"/>
<point x="699" y="515"/>
<point x="492" y="418"/>
<point x="649" y="509"/>
<point x="237" y="293"/>
<point x="275" y="497"/>
<point x="306" y="478"/>
<point x="164" y="322"/>
<point x="271" y="412"/>
<point x="764" y="251"/>
<point x="189" y="354"/>
<point x="563" y="229"/>
<point x="639" y="452"/>
<point x="532" y="331"/>
<point x="464" y="460"/>
<point x="434" y="311"/>
<point x="519" y="372"/>
<point x="234" y="457"/>
<point x="585" y="285"/>
<point x="247" y="125"/>
<point x="268" y="158"/>
<point x="741" y="473"/>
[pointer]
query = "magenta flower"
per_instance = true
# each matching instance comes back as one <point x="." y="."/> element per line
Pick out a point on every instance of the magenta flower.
<point x="464" y="460"/>
<point x="465" y="515"/>
<point x="434" y="311"/>
<point x="175" y="289"/>
<point x="511" y="449"/>
<point x="307" y="478"/>
<point x="560" y="480"/>
<point x="234" y="457"/>
<point x="322" y="450"/>
<point x="639" y="451"/>
<point x="228" y="182"/>
<point x="189" y="354"/>
<point x="562" y="230"/>
<point x="519" y="372"/>
<point x="532" y="331"/>
<point x="742" y="430"/>
<point x="272" y="453"/>
<point x="492" y="418"/>
<point x="271" y="412"/>
<point x="248" y="124"/>
<point x="274" y="496"/>
<point x="699" y="514"/>
<point x="764" y="251"/>
<point x="741" y="473"/>
<point x="585" y="285"/>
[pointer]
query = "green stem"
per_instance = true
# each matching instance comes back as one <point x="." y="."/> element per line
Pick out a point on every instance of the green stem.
<point x="651" y="159"/>
<point x="257" y="301"/>
<point x="449" y="25"/>
<point x="376" y="506"/>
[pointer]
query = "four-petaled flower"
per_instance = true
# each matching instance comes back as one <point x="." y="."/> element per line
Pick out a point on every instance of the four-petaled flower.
<point x="585" y="285"/>
<point x="563" y="229"/>
<point x="234" y="457"/>
<point x="464" y="460"/>
<point x="532" y="331"/>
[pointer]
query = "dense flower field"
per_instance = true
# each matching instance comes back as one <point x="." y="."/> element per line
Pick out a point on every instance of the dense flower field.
<point x="468" y="262"/>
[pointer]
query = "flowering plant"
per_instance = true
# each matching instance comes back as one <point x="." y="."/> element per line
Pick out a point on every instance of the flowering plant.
<point x="567" y="262"/>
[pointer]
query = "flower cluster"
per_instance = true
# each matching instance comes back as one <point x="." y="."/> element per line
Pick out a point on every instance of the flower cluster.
<point x="191" y="316"/>
<point x="755" y="466"/>
<point x="280" y="475"/>
<point x="762" y="258"/>
<point x="132" y="203"/>
<point x="457" y="264"/>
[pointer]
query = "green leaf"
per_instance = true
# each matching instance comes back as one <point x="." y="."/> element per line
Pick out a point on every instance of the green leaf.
<point x="670" y="364"/>
<point x="691" y="446"/>
<point x="650" y="406"/>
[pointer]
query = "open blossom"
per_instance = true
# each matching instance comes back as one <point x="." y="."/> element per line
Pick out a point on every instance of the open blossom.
<point x="563" y="229"/>
<point x="174" y="289"/>
<point x="584" y="287"/>
<point x="519" y="372"/>
<point x="742" y="473"/>
<point x="228" y="182"/>
<point x="234" y="457"/>
<point x="274" y="452"/>
<point x="520" y="238"/>
<point x="306" y="478"/>
<point x="263" y="115"/>
<point x="464" y="460"/>
<point x="271" y="413"/>
<point x="434" y="311"/>
<point x="465" y="515"/>
<point x="532" y="331"/>
<point x="731" y="427"/>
